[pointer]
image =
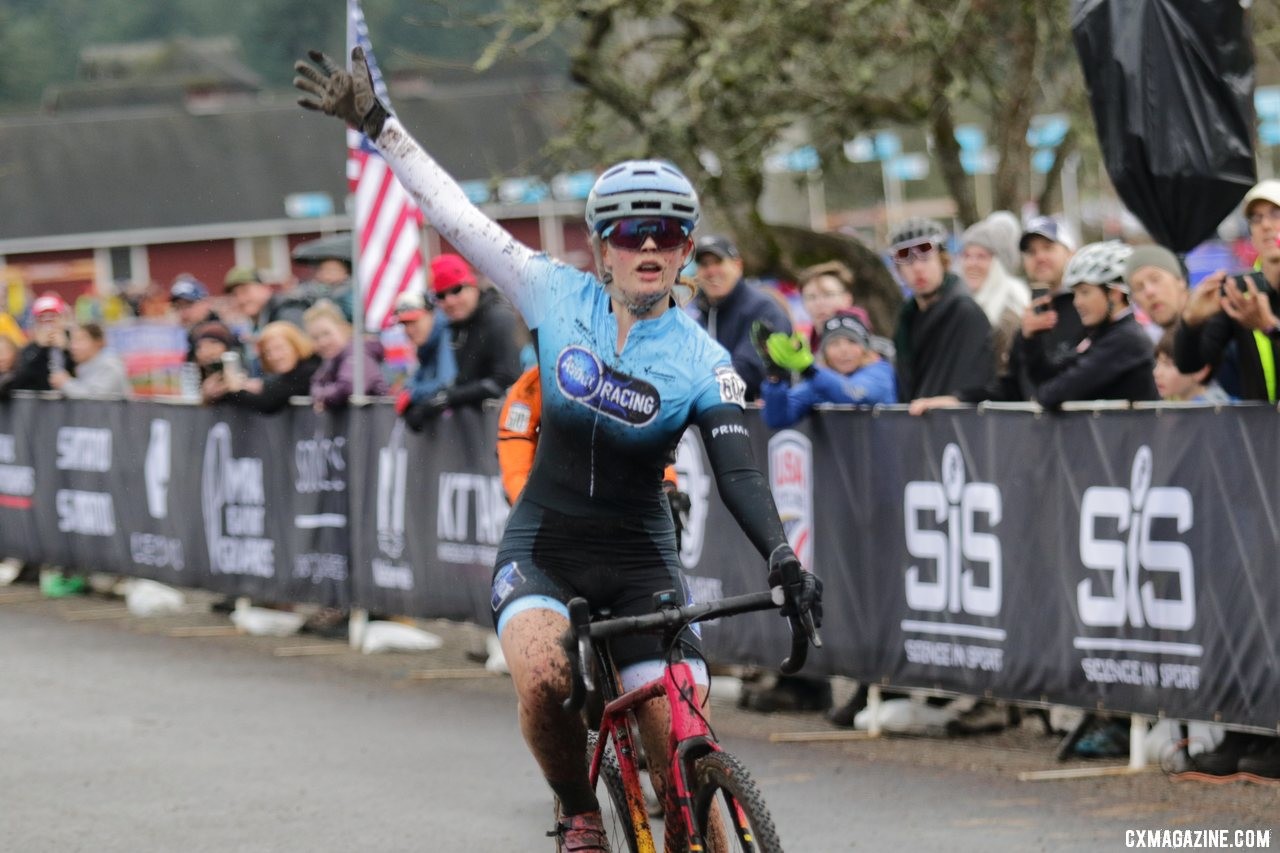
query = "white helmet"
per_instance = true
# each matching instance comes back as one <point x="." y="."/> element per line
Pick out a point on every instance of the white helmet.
<point x="641" y="188"/>
<point x="1099" y="263"/>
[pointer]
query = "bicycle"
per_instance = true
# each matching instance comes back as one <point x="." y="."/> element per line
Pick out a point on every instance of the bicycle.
<point x="706" y="786"/>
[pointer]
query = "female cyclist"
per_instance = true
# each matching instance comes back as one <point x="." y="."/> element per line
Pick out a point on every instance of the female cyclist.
<point x="622" y="375"/>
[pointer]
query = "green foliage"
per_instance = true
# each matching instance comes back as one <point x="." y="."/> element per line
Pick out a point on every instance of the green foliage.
<point x="41" y="40"/>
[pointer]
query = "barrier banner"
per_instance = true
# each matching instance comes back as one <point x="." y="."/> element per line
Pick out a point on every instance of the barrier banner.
<point x="432" y="512"/>
<point x="1123" y="560"/>
<point x="217" y="498"/>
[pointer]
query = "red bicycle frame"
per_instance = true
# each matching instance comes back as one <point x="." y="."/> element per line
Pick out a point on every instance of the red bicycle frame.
<point x="689" y="738"/>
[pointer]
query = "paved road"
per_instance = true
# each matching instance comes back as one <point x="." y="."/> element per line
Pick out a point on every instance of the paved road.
<point x="115" y="741"/>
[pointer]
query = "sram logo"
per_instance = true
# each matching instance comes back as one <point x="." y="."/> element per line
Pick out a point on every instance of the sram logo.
<point x="1136" y="556"/>
<point x="942" y="526"/>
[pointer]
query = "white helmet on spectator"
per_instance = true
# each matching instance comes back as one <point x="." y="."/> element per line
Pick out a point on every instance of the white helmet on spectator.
<point x="917" y="229"/>
<point x="1102" y="264"/>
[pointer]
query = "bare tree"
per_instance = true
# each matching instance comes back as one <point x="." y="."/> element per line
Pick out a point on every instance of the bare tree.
<point x="714" y="84"/>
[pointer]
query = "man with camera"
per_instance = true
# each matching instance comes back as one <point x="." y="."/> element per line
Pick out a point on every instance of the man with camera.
<point x="1051" y="328"/>
<point x="1243" y="308"/>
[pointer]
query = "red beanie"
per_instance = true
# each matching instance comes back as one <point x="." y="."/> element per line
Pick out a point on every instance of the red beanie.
<point x="448" y="271"/>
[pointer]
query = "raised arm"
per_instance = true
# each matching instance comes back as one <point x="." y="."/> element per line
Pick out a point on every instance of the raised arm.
<point x="349" y="95"/>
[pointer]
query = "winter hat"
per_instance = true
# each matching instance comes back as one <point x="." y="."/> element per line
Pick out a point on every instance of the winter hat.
<point x="217" y="332"/>
<point x="1152" y="255"/>
<point x="449" y="271"/>
<point x="998" y="234"/>
<point x="846" y="324"/>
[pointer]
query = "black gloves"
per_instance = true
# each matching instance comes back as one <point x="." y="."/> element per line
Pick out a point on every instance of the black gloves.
<point x="417" y="415"/>
<point x="804" y="593"/>
<point x="338" y="92"/>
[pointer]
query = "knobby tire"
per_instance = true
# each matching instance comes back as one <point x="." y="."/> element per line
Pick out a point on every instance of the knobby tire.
<point x="617" y="823"/>
<point x="720" y="782"/>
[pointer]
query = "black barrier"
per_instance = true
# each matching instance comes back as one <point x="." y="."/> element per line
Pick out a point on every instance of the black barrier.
<point x="1122" y="560"/>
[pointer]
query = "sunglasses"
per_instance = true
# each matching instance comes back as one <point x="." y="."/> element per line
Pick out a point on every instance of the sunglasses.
<point x="632" y="234"/>
<point x="916" y="251"/>
<point x="450" y="291"/>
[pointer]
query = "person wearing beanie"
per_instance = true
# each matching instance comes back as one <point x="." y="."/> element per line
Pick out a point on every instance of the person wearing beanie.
<point x="212" y="340"/>
<point x="986" y="249"/>
<point x="1159" y="287"/>
<point x="854" y="375"/>
<point x="482" y="330"/>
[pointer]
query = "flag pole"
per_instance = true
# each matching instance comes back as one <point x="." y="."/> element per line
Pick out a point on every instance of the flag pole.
<point x="357" y="316"/>
<point x="358" y="617"/>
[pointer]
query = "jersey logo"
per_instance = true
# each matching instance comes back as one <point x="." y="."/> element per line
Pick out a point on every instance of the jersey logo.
<point x="732" y="388"/>
<point x="518" y="417"/>
<point x="583" y="379"/>
<point x="504" y="583"/>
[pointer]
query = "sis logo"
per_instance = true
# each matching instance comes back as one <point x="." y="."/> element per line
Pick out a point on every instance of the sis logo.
<point x="584" y="379"/>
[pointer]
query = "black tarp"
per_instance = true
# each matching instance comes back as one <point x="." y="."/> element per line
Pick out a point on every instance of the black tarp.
<point x="1171" y="87"/>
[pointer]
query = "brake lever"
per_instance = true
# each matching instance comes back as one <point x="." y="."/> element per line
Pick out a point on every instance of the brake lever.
<point x="577" y="647"/>
<point x="810" y="630"/>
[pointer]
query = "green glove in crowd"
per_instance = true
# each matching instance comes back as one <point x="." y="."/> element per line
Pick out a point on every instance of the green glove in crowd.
<point x="790" y="352"/>
<point x="781" y="353"/>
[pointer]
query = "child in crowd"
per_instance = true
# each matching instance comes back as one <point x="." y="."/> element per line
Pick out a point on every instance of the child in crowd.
<point x="1175" y="385"/>
<point x="854" y="374"/>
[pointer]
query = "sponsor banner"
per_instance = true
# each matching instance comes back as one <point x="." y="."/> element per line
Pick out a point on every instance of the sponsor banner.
<point x="19" y="476"/>
<point x="1123" y="560"/>
<point x="186" y="495"/>
<point x="432" y="512"/>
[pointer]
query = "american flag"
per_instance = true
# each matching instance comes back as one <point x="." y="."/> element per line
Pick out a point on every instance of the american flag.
<point x="388" y="221"/>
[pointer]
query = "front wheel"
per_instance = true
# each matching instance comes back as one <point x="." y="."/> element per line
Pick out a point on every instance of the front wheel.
<point x="614" y="810"/>
<point x="726" y="801"/>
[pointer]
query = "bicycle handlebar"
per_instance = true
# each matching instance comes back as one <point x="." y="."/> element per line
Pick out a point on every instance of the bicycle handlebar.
<point x="577" y="640"/>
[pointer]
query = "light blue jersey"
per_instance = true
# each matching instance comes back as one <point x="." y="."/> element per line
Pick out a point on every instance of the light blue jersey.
<point x="629" y="408"/>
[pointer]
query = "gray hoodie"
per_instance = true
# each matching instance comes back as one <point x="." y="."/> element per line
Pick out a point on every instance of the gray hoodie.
<point x="102" y="374"/>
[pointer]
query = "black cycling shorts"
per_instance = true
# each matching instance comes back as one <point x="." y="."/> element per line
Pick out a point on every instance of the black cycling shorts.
<point x="547" y="558"/>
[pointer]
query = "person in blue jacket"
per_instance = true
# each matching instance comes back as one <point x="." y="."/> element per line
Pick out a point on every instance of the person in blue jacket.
<point x="623" y="372"/>
<point x="854" y="374"/>
<point x="428" y="330"/>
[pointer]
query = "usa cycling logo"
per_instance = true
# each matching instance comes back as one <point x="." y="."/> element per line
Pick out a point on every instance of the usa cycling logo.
<point x="583" y="379"/>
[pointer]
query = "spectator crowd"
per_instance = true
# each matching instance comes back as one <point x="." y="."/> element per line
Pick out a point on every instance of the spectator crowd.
<point x="1002" y="311"/>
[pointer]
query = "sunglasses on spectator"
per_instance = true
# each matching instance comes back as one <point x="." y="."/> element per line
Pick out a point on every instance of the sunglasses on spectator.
<point x="1258" y="218"/>
<point x="450" y="291"/>
<point x="916" y="251"/>
<point x="632" y="233"/>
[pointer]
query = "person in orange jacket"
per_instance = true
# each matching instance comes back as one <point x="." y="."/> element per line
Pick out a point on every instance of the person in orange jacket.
<point x="518" y="425"/>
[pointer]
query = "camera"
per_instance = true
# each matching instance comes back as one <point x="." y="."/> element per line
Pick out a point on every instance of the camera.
<point x="1037" y="293"/>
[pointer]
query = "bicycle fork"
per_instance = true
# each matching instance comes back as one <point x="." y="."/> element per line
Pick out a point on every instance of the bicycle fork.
<point x="624" y="746"/>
